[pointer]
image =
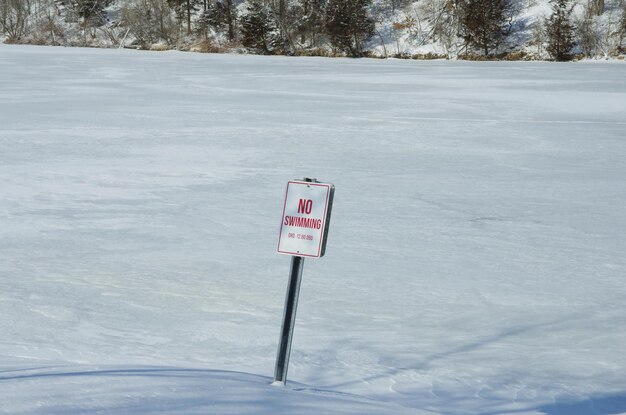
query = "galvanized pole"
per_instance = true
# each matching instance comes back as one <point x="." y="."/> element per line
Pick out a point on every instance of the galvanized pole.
<point x="289" y="320"/>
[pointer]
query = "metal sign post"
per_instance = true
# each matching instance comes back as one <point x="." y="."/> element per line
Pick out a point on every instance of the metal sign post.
<point x="303" y="232"/>
<point x="289" y="319"/>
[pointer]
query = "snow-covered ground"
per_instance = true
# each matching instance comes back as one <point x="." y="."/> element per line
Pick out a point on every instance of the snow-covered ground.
<point x="476" y="259"/>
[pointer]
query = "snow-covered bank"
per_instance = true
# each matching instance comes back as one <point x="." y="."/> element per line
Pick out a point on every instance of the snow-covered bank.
<point x="475" y="261"/>
<point x="166" y="390"/>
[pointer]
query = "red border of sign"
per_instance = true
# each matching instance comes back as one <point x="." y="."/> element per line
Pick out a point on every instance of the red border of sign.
<point x="280" y="235"/>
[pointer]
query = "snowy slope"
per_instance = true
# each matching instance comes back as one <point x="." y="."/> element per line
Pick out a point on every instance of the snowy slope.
<point x="420" y="29"/>
<point x="409" y="30"/>
<point x="476" y="255"/>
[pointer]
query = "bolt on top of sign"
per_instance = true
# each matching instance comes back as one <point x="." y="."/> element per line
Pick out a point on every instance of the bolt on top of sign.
<point x="306" y="214"/>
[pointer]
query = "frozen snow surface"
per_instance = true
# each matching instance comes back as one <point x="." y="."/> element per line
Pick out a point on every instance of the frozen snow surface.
<point x="476" y="258"/>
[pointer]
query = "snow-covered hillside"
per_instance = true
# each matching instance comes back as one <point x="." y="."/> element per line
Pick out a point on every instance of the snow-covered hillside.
<point x="475" y="262"/>
<point x="419" y="29"/>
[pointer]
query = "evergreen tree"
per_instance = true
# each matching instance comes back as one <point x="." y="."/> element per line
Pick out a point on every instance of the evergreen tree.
<point x="259" y="29"/>
<point x="560" y="31"/>
<point x="485" y="23"/>
<point x="90" y="11"/>
<point x="348" y="25"/>
<point x="221" y="17"/>
<point x="230" y="13"/>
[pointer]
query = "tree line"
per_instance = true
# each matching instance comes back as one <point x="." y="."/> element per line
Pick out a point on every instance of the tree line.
<point x="463" y="28"/>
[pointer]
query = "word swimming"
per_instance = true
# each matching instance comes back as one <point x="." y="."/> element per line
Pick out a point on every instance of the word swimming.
<point x="301" y="222"/>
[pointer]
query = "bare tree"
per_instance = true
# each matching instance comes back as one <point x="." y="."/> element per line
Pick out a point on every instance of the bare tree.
<point x="149" y="21"/>
<point x="595" y="35"/>
<point x="184" y="10"/>
<point x="14" y="18"/>
<point x="47" y="25"/>
<point x="597" y="6"/>
<point x="539" y="36"/>
<point x="621" y="32"/>
<point x="446" y="24"/>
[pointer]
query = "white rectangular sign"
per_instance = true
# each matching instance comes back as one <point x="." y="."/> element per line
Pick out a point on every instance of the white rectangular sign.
<point x="306" y="213"/>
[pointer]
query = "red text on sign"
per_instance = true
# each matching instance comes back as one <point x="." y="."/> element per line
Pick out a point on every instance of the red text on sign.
<point x="301" y="222"/>
<point x="305" y="206"/>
